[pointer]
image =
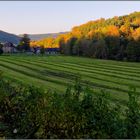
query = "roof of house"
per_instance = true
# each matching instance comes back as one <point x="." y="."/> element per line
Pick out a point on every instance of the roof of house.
<point x="8" y="44"/>
<point x="52" y="49"/>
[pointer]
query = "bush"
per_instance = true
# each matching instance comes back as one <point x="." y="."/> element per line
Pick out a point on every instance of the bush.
<point x="29" y="112"/>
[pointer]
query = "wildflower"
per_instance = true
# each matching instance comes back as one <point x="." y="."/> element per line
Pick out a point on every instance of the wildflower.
<point x="15" y="131"/>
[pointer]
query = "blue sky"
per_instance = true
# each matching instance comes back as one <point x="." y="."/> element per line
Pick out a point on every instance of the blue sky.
<point x="57" y="16"/>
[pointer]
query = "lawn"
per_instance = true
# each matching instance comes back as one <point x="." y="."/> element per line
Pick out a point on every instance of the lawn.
<point x="56" y="72"/>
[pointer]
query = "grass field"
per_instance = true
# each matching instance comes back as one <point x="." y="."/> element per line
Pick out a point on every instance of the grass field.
<point x="56" y="72"/>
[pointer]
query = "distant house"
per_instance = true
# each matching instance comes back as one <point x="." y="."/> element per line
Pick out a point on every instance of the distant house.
<point x="36" y="50"/>
<point x="32" y="49"/>
<point x="8" y="47"/>
<point x="52" y="50"/>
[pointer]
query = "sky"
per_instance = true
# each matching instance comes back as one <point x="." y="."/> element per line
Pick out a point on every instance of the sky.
<point x="37" y="17"/>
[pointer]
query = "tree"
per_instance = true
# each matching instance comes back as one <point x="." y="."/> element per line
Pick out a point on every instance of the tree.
<point x="62" y="45"/>
<point x="85" y="48"/>
<point x="112" y="31"/>
<point x="136" y="34"/>
<point x="133" y="50"/>
<point x="112" y="44"/>
<point x="69" y="47"/>
<point x="42" y="50"/>
<point x="101" y="38"/>
<point x="1" y="51"/>
<point x="24" y="44"/>
<point x="126" y="30"/>
<point x="100" y="49"/>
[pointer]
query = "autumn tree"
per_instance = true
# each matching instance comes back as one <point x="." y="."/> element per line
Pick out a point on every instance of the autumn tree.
<point x="114" y="38"/>
<point x="136" y="34"/>
<point x="126" y="30"/>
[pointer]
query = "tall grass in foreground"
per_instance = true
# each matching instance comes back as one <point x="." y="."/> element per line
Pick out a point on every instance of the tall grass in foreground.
<point x="29" y="112"/>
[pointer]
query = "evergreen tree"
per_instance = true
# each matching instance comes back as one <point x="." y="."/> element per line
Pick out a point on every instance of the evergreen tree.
<point x="42" y="50"/>
<point x="24" y="44"/>
<point x="1" y="51"/>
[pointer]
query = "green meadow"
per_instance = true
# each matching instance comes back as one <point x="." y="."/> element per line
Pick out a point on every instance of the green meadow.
<point x="57" y="72"/>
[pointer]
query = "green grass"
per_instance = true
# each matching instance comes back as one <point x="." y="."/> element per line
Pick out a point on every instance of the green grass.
<point x="56" y="72"/>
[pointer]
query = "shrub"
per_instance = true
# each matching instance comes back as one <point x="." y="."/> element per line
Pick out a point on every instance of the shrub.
<point x="29" y="112"/>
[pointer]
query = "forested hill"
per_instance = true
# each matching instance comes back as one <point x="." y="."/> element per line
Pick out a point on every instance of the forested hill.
<point x="113" y="38"/>
<point x="4" y="37"/>
<point x="41" y="36"/>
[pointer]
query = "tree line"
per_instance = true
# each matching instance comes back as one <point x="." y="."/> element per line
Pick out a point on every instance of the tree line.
<point x="116" y="38"/>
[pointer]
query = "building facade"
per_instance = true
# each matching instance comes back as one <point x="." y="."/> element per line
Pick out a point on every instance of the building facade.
<point x="8" y="47"/>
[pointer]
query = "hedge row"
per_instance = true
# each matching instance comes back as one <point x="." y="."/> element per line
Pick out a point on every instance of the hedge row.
<point x="30" y="112"/>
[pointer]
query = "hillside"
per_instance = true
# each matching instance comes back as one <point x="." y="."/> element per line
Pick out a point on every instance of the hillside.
<point x="4" y="37"/>
<point x="114" y="38"/>
<point x="41" y="36"/>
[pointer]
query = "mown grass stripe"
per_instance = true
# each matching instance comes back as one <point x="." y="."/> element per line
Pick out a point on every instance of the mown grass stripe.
<point x="99" y="68"/>
<point x="87" y="75"/>
<point x="92" y="71"/>
<point x="129" y="65"/>
<point x="107" y="69"/>
<point x="18" y="77"/>
<point x="103" y="69"/>
<point x="32" y="75"/>
<point x="104" y="85"/>
<point x="117" y="82"/>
